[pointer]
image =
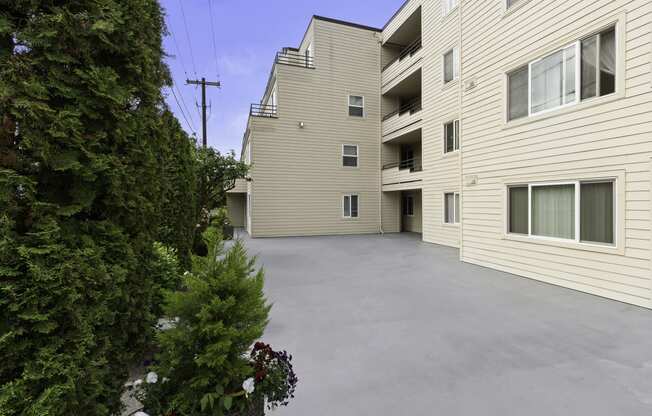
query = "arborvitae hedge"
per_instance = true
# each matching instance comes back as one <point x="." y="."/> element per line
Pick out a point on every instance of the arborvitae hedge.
<point x="93" y="170"/>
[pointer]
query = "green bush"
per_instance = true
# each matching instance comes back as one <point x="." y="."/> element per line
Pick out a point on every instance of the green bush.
<point x="221" y="311"/>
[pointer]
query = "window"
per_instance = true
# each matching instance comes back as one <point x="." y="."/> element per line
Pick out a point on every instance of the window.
<point x="599" y="64"/>
<point x="350" y="206"/>
<point x="518" y="210"/>
<point x="447" y="6"/>
<point x="356" y="106"/>
<point x="350" y="155"/>
<point x="552" y="80"/>
<point x="452" y="208"/>
<point x="580" y="211"/>
<point x="408" y="205"/>
<point x="518" y="93"/>
<point x="451" y="65"/>
<point x="452" y="136"/>
<point x="580" y="71"/>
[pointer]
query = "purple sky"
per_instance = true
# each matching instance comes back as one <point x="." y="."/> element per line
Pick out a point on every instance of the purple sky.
<point x="248" y="33"/>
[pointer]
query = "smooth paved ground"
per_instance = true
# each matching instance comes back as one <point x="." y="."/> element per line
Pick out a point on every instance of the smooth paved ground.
<point x="388" y="325"/>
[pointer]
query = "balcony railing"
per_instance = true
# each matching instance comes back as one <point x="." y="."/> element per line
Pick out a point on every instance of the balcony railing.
<point x="412" y="106"/>
<point x="262" y="110"/>
<point x="406" y="52"/>
<point x="295" y="59"/>
<point x="414" y="165"/>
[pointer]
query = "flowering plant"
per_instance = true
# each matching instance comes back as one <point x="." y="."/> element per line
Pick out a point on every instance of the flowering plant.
<point x="274" y="376"/>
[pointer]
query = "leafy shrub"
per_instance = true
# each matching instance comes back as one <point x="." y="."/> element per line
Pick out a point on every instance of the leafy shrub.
<point x="165" y="271"/>
<point x="92" y="166"/>
<point x="221" y="311"/>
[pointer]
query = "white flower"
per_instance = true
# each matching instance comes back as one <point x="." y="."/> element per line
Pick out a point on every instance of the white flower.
<point x="187" y="273"/>
<point x="138" y="382"/>
<point x="248" y="386"/>
<point x="165" y="379"/>
<point x="152" y="377"/>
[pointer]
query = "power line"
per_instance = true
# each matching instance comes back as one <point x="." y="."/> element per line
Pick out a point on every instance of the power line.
<point x="182" y="113"/>
<point x="176" y="46"/>
<point x="183" y="101"/>
<point x="210" y="11"/>
<point x="185" y="25"/>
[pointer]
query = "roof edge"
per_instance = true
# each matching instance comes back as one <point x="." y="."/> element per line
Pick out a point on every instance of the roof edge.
<point x="345" y="23"/>
<point x="405" y="3"/>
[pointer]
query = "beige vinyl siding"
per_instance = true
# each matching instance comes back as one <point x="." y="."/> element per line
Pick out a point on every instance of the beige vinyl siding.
<point x="441" y="104"/>
<point x="413" y="223"/>
<point x="391" y="206"/>
<point x="611" y="134"/>
<point x="236" y="206"/>
<point x="298" y="177"/>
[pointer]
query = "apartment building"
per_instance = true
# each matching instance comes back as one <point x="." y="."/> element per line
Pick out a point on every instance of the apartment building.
<point x="518" y="131"/>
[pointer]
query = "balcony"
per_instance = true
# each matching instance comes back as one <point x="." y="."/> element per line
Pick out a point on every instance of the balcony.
<point x="293" y="58"/>
<point x="403" y="175"/>
<point x="408" y="60"/>
<point x="403" y="120"/>
<point x="261" y="110"/>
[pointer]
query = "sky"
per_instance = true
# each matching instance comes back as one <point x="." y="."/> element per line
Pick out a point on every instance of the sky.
<point x="247" y="35"/>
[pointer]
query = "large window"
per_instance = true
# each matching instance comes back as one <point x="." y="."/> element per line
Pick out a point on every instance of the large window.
<point x="451" y="65"/>
<point x="580" y="211"/>
<point x="452" y="208"/>
<point x="452" y="136"/>
<point x="356" y="106"/>
<point x="587" y="66"/>
<point x="447" y="6"/>
<point x="350" y="206"/>
<point x="350" y="155"/>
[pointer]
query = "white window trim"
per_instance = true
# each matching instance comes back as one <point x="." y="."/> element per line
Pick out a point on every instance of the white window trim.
<point x="357" y="156"/>
<point x="455" y="214"/>
<point x="348" y="106"/>
<point x="576" y="243"/>
<point x="349" y="217"/>
<point x="456" y="66"/>
<point x="456" y="149"/>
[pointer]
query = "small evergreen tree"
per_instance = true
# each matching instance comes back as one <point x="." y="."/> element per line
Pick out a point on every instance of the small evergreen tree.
<point x="221" y="311"/>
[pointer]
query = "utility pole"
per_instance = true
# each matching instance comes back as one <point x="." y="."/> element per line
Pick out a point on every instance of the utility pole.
<point x="203" y="84"/>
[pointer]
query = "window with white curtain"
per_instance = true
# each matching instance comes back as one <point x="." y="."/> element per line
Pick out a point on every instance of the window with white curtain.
<point x="452" y="208"/>
<point x="599" y="64"/>
<point x="582" y="211"/>
<point x="350" y="155"/>
<point x="350" y="206"/>
<point x="452" y="136"/>
<point x="582" y="70"/>
<point x="451" y="65"/>
<point x="447" y="6"/>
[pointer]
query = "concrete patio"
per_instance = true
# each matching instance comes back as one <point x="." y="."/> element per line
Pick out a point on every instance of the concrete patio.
<point x="393" y="326"/>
